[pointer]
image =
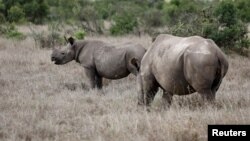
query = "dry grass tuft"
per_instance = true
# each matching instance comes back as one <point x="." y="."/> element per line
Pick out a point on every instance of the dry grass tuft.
<point x="42" y="101"/>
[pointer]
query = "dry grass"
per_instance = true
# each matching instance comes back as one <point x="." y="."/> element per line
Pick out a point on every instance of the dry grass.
<point x="42" y="101"/>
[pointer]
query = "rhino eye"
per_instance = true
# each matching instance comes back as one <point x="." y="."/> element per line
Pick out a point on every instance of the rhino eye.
<point x="63" y="53"/>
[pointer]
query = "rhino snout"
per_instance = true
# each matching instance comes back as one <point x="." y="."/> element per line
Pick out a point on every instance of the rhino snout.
<point x="53" y="58"/>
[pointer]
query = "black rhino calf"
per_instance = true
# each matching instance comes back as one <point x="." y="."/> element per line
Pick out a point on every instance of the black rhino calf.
<point x="180" y="65"/>
<point x="100" y="59"/>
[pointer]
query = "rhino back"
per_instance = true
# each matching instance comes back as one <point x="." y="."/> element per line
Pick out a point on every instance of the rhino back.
<point x="110" y="62"/>
<point x="134" y="51"/>
<point x="167" y="64"/>
<point x="86" y="56"/>
<point x="167" y="57"/>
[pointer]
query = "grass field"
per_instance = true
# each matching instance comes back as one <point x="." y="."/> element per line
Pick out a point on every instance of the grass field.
<point x="41" y="101"/>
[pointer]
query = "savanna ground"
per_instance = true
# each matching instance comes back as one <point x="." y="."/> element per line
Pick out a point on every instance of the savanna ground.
<point x="43" y="101"/>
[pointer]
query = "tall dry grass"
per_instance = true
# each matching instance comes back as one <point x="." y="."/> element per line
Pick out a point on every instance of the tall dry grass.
<point x="43" y="101"/>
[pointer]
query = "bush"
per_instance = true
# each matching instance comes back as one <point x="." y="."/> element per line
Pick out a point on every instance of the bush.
<point x="19" y="10"/>
<point x="2" y="18"/>
<point x="15" y="35"/>
<point x="36" y="11"/>
<point x="89" y="19"/>
<point x="226" y="13"/>
<point x="176" y="10"/>
<point x="80" y="34"/>
<point x="152" y="18"/>
<point x="219" y="23"/>
<point x="231" y="32"/>
<point x="243" y="10"/>
<point x="50" y="39"/>
<point x="16" y="14"/>
<point x="9" y="31"/>
<point x="123" y="24"/>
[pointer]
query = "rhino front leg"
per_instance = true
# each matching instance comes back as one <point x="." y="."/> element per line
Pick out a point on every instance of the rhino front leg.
<point x="90" y="73"/>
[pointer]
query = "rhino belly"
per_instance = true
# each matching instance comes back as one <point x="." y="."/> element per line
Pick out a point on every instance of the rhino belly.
<point x="173" y="80"/>
<point x="176" y="86"/>
<point x="113" y="74"/>
<point x="112" y="69"/>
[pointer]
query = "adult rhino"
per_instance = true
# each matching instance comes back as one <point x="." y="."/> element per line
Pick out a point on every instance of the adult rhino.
<point x="180" y="65"/>
<point x="100" y="59"/>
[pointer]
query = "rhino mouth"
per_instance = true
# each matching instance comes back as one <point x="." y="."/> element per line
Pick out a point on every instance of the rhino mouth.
<point x="56" y="61"/>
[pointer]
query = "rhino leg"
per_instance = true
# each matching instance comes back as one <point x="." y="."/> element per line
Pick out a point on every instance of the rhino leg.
<point x="90" y="73"/>
<point x="98" y="80"/>
<point x="150" y="95"/>
<point x="208" y="95"/>
<point x="167" y="99"/>
<point x="140" y="90"/>
<point x="149" y="88"/>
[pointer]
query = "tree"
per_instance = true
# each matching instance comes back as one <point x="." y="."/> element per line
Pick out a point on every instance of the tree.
<point x="36" y="11"/>
<point x="226" y="13"/>
<point x="15" y="14"/>
<point x="123" y="24"/>
<point x="243" y="10"/>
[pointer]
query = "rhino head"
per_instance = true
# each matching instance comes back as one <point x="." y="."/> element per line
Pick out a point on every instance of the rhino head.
<point x="65" y="54"/>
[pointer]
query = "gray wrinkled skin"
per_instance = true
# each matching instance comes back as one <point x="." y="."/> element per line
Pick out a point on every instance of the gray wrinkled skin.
<point x="181" y="66"/>
<point x="100" y="59"/>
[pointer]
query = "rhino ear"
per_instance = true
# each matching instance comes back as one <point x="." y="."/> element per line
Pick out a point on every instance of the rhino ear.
<point x="66" y="39"/>
<point x="71" y="40"/>
<point x="135" y="63"/>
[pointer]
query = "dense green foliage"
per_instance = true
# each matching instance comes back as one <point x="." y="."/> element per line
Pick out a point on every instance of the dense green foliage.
<point x="123" y="24"/>
<point x="223" y="21"/>
<point x="9" y="31"/>
<point x="80" y="34"/>
<point x="35" y="11"/>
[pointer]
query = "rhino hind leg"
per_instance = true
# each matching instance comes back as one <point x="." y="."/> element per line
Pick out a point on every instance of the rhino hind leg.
<point x="91" y="75"/>
<point x="149" y="89"/>
<point x="150" y="95"/>
<point x="167" y="99"/>
<point x="98" y="80"/>
<point x="207" y="95"/>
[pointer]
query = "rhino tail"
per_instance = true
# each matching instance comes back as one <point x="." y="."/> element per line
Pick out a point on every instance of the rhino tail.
<point x="140" y="90"/>
<point x="135" y="64"/>
<point x="220" y="71"/>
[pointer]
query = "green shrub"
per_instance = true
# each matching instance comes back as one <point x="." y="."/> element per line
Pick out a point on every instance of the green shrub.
<point x="226" y="13"/>
<point x="231" y="32"/>
<point x="2" y="18"/>
<point x="218" y="23"/>
<point x="176" y="10"/>
<point x="47" y="40"/>
<point x="16" y="14"/>
<point x="9" y="31"/>
<point x="36" y="11"/>
<point x="15" y="35"/>
<point x="50" y="39"/>
<point x="152" y="18"/>
<point x="123" y="24"/>
<point x="89" y="19"/>
<point x="243" y="10"/>
<point x="80" y="34"/>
